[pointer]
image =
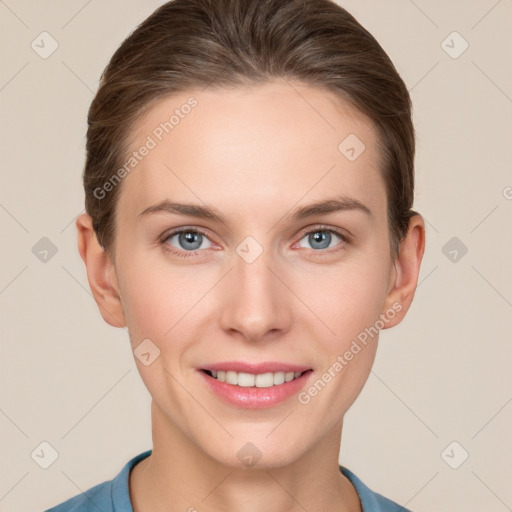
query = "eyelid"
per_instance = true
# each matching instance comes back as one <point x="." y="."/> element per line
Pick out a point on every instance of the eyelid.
<point x="345" y="235"/>
<point x="176" y="231"/>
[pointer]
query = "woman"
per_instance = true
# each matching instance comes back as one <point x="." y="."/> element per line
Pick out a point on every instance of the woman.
<point x="249" y="188"/>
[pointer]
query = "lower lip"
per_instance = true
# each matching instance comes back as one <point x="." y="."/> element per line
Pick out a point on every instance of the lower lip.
<point x="256" y="398"/>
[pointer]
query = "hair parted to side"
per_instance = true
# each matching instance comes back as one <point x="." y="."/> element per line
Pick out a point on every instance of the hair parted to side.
<point x="187" y="44"/>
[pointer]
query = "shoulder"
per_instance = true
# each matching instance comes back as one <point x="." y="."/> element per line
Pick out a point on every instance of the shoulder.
<point x="110" y="496"/>
<point x="371" y="501"/>
<point x="96" y="498"/>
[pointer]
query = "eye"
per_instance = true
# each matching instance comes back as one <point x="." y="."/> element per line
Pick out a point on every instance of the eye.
<point x="187" y="240"/>
<point x="322" y="239"/>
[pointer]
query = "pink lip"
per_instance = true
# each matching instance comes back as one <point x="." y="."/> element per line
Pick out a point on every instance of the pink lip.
<point x="255" y="368"/>
<point x="253" y="397"/>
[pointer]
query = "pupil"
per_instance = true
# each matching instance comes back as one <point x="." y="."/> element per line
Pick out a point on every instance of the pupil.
<point x="190" y="240"/>
<point x="320" y="239"/>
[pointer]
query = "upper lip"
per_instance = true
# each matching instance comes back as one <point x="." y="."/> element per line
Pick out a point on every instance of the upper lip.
<point x="256" y="368"/>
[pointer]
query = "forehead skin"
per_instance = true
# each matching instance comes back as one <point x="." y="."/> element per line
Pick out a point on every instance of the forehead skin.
<point x="254" y="152"/>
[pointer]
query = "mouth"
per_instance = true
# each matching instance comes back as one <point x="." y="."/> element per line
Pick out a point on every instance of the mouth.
<point x="250" y="380"/>
<point x="255" y="386"/>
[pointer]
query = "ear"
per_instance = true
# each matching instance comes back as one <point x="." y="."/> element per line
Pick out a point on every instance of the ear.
<point x="101" y="273"/>
<point x="406" y="271"/>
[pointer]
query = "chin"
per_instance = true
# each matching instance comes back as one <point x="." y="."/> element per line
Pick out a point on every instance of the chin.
<point x="258" y="453"/>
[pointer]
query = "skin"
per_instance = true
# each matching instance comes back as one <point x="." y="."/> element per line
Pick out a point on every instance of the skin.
<point x="254" y="153"/>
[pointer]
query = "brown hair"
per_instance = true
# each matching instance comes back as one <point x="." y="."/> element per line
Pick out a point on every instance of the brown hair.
<point x="187" y="44"/>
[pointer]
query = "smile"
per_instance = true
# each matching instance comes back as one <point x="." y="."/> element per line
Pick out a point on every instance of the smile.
<point x="250" y="380"/>
<point x="255" y="385"/>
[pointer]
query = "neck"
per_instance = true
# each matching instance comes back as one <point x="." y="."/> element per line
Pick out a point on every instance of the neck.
<point x="179" y="476"/>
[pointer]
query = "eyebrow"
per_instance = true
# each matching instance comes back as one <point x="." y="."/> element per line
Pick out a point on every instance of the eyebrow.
<point x="207" y="212"/>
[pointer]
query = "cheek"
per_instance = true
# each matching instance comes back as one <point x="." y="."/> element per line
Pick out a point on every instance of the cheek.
<point x="163" y="303"/>
<point x="156" y="303"/>
<point x="151" y="298"/>
<point x="348" y="298"/>
<point x="349" y="301"/>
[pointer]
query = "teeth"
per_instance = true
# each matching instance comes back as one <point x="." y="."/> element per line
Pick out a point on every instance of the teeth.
<point x="232" y="378"/>
<point x="248" y="380"/>
<point x="278" y="378"/>
<point x="264" y="380"/>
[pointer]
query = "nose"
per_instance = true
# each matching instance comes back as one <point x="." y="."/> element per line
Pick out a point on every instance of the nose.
<point x="255" y="304"/>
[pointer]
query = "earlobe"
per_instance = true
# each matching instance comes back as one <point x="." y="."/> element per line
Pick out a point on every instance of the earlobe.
<point x="101" y="273"/>
<point x="407" y="268"/>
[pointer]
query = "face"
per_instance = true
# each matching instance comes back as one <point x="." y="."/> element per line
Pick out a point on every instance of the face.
<point x="250" y="278"/>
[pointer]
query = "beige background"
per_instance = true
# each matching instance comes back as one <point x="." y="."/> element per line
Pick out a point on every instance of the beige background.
<point x="69" y="379"/>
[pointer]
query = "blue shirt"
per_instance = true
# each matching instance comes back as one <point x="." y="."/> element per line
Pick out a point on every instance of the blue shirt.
<point x="114" y="496"/>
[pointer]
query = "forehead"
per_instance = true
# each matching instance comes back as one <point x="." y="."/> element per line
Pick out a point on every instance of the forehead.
<point x="253" y="147"/>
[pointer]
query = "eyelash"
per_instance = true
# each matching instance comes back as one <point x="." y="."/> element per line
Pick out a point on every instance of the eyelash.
<point x="188" y="254"/>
